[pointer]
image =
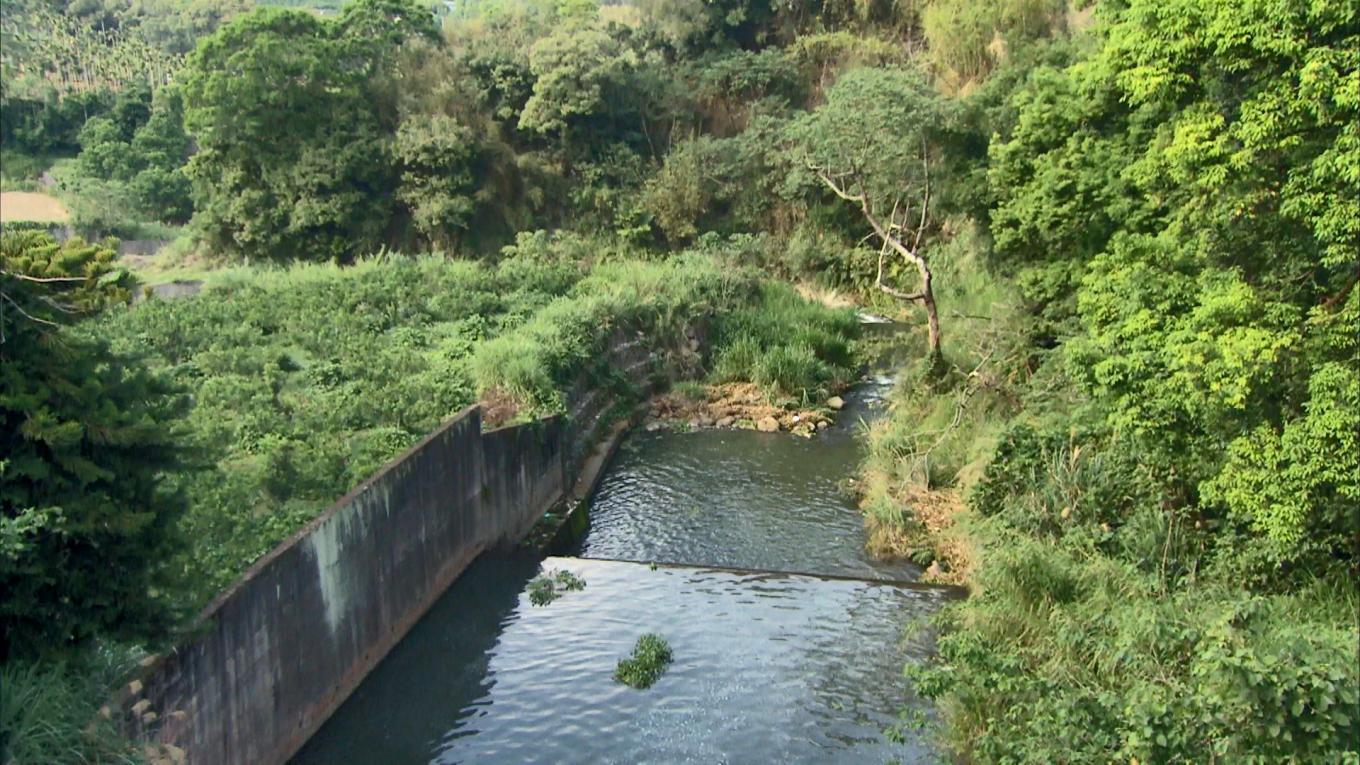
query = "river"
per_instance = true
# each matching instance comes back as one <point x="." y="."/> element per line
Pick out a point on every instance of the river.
<point x="743" y="551"/>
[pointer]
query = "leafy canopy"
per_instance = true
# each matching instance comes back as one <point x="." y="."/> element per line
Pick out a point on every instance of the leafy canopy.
<point x="87" y="445"/>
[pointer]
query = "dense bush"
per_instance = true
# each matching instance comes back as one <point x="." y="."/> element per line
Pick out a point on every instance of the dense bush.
<point x="1166" y="532"/>
<point x="87" y="443"/>
<point x="1065" y="655"/>
<point x="305" y="380"/>
<point x="789" y="346"/>
<point x="138" y="160"/>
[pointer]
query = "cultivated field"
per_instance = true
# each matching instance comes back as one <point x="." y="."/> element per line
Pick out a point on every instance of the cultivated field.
<point x="31" y="206"/>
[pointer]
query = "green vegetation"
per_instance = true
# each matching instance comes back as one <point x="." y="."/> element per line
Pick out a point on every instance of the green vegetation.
<point x="1128" y="229"/>
<point x="87" y="441"/>
<point x="1155" y="443"/>
<point x="305" y="380"/>
<point x="870" y="144"/>
<point x="537" y="362"/>
<point x="548" y="587"/>
<point x="788" y="346"/>
<point x="650" y="658"/>
<point x="49" y="710"/>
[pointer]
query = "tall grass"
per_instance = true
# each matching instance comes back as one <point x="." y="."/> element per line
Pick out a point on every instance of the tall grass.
<point x="789" y="346"/>
<point x="49" y="710"/>
<point x="540" y="359"/>
<point x="1097" y="663"/>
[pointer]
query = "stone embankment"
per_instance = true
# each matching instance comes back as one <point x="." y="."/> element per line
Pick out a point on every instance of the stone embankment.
<point x="737" y="405"/>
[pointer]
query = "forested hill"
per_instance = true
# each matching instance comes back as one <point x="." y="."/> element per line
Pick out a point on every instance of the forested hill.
<point x="1128" y="231"/>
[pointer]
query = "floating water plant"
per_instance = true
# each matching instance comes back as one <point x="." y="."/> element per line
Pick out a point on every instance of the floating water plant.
<point x="651" y="656"/>
<point x="545" y="588"/>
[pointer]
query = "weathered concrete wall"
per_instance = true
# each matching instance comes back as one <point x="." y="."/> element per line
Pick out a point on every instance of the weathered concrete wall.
<point x="141" y="247"/>
<point x="642" y="363"/>
<point x="277" y="653"/>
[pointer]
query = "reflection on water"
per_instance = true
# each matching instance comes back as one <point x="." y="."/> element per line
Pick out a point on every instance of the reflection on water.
<point x="768" y="668"/>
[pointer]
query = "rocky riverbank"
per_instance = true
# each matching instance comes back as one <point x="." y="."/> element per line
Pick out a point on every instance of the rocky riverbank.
<point x="737" y="405"/>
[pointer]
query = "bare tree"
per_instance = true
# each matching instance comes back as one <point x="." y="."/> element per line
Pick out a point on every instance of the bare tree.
<point x="870" y="145"/>
<point x="901" y="231"/>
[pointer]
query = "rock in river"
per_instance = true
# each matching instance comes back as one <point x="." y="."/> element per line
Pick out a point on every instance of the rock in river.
<point x="767" y="425"/>
<point x="836" y="403"/>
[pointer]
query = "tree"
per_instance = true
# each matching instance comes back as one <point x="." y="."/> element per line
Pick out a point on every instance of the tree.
<point x="136" y="170"/>
<point x="85" y="523"/>
<point x="437" y="157"/>
<point x="162" y="149"/>
<point x="292" y="136"/>
<point x="871" y="145"/>
<point x="592" y="91"/>
<point x="1220" y="324"/>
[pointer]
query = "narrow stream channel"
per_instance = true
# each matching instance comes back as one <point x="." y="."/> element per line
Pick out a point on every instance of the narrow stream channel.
<point x="789" y="641"/>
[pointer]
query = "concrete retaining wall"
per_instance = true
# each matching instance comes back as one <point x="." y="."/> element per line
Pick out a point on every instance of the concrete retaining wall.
<point x="141" y="247"/>
<point x="279" y="651"/>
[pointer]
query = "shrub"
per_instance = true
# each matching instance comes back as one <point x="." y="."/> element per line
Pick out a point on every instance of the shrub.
<point x="650" y="658"/>
<point x="785" y="344"/>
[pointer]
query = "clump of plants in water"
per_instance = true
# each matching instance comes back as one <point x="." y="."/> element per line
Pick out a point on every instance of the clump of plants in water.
<point x="545" y="588"/>
<point x="651" y="656"/>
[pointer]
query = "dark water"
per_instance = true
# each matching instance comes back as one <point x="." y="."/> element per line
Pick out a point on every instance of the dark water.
<point x="741" y="499"/>
<point x="769" y="667"/>
<point x="773" y="668"/>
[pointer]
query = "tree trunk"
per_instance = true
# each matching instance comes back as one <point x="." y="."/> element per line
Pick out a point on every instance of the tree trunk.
<point x="927" y="293"/>
<point x="932" y="316"/>
<point x="911" y="254"/>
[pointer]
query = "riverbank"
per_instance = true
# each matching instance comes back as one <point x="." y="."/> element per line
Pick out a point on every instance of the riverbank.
<point x="1112" y="614"/>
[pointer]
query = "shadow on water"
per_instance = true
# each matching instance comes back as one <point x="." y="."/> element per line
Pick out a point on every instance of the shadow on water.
<point x="426" y="682"/>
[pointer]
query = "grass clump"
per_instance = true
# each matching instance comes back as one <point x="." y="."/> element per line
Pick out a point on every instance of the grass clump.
<point x="540" y="359"/>
<point x="789" y="346"/>
<point x="548" y="587"/>
<point x="650" y="658"/>
<point x="49" y="710"/>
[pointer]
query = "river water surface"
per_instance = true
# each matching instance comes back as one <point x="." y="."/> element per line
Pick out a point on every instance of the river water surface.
<point x="789" y="642"/>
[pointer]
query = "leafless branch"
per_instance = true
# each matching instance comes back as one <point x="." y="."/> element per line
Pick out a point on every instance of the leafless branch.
<point x="44" y="279"/>
<point x="925" y="202"/>
<point x="26" y="314"/>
